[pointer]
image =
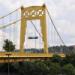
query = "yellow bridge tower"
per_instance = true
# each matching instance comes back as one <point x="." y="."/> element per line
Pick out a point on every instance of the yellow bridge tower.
<point x="33" y="13"/>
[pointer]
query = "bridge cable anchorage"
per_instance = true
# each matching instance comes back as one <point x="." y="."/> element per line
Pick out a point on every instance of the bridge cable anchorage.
<point x="9" y="13"/>
<point x="55" y="27"/>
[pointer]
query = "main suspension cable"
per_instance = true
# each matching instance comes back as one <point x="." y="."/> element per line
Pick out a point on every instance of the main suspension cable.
<point x="55" y="26"/>
<point x="36" y="29"/>
<point x="12" y="23"/>
<point x="9" y="13"/>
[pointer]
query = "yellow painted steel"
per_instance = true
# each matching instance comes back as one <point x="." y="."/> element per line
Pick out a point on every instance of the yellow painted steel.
<point x="33" y="13"/>
<point x="22" y="56"/>
<point x="22" y="30"/>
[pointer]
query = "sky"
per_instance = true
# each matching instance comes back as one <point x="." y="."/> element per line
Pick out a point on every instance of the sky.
<point x="62" y="12"/>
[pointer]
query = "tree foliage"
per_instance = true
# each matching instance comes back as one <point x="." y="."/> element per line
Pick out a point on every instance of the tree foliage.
<point x="68" y="69"/>
<point x="8" y="46"/>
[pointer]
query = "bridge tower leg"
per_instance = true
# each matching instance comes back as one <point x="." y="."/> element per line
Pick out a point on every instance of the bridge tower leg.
<point x="22" y="30"/>
<point x="44" y="33"/>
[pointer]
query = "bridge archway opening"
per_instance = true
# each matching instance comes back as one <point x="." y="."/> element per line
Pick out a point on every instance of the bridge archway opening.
<point x="33" y="37"/>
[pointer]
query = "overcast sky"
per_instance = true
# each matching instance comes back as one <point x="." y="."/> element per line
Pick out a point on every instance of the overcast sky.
<point x="62" y="12"/>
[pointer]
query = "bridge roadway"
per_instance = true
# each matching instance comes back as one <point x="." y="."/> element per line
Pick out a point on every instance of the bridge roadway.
<point x="22" y="56"/>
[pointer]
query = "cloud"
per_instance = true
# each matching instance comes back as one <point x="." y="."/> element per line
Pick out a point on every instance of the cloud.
<point x="63" y="14"/>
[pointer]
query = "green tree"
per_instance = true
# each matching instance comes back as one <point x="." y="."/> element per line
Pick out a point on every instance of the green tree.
<point x="68" y="69"/>
<point x="55" y="69"/>
<point x="41" y="68"/>
<point x="69" y="59"/>
<point x="8" y="46"/>
<point x="56" y="58"/>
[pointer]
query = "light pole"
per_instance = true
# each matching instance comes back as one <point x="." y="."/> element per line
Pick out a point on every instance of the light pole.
<point x="8" y="63"/>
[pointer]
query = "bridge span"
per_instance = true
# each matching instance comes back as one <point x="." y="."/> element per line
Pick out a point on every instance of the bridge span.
<point x="6" y="57"/>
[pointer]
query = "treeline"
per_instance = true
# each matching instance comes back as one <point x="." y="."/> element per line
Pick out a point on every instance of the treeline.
<point x="64" y="49"/>
<point x="53" y="66"/>
<point x="54" y="49"/>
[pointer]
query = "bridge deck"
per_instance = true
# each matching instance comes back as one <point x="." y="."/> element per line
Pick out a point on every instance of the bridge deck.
<point x="22" y="56"/>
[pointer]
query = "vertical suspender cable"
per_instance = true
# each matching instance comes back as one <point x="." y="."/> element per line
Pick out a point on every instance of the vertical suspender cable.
<point x="3" y="34"/>
<point x="9" y="47"/>
<point x="35" y="39"/>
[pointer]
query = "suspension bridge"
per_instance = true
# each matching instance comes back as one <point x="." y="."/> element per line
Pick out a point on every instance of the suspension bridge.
<point x="27" y="14"/>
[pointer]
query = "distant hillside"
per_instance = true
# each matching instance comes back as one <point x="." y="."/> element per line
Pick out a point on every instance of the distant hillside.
<point x="54" y="49"/>
<point x="65" y="49"/>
